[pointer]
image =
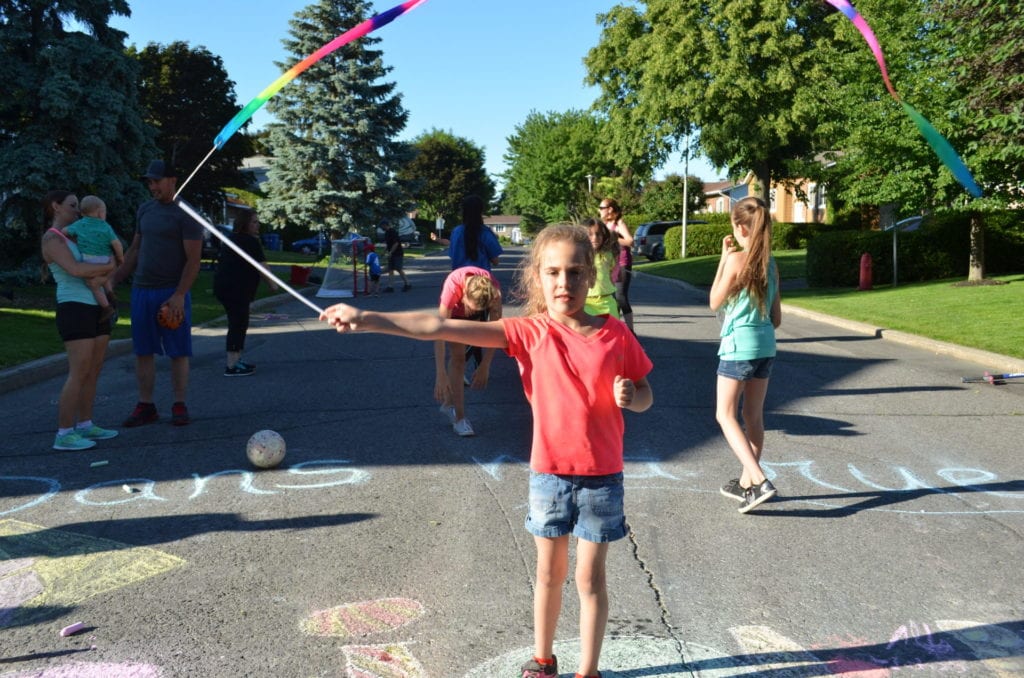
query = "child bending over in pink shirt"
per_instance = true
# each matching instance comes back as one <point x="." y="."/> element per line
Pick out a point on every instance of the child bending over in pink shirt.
<point x="578" y="372"/>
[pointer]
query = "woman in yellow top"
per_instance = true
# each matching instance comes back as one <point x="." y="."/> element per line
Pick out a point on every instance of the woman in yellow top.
<point x="601" y="296"/>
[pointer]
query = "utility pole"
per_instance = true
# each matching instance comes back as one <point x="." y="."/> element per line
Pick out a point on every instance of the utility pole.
<point x="686" y="185"/>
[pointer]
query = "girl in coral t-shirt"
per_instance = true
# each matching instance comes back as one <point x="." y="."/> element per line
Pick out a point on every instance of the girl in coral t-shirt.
<point x="578" y="372"/>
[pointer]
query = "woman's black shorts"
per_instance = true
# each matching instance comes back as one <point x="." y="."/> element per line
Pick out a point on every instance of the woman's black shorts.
<point x="76" y="320"/>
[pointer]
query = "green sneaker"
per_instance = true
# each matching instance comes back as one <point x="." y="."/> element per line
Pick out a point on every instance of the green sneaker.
<point x="72" y="441"/>
<point x="95" y="432"/>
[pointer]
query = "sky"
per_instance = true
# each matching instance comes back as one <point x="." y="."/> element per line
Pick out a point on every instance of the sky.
<point x="475" y="68"/>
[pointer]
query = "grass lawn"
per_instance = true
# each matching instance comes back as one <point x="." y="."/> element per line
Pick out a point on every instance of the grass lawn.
<point x="987" y="317"/>
<point x="27" y="323"/>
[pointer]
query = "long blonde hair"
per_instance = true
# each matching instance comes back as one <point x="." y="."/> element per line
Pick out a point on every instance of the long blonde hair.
<point x="752" y="213"/>
<point x="528" y="287"/>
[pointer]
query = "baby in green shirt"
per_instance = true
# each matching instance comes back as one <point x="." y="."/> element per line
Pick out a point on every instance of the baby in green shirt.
<point x="97" y="242"/>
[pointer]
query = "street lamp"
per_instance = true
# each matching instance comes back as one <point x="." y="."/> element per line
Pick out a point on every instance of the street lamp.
<point x="590" y="183"/>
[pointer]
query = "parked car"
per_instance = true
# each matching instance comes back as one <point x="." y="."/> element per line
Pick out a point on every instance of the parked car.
<point x="319" y="244"/>
<point x="649" y="238"/>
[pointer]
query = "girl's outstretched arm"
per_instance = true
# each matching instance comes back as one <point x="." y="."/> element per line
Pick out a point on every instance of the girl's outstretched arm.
<point x="416" y="325"/>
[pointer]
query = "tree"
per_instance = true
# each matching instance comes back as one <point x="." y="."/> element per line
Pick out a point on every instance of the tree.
<point x="188" y="98"/>
<point x="663" y="200"/>
<point x="70" y="116"/>
<point x="334" y="147"/>
<point x="445" y="169"/>
<point x="989" y="73"/>
<point x="549" y="157"/>
<point x="882" y="158"/>
<point x="742" y="72"/>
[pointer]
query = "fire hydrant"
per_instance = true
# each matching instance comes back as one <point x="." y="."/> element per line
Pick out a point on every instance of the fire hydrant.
<point x="865" y="272"/>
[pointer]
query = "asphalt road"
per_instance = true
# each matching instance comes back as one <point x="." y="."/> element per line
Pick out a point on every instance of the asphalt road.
<point x="385" y="546"/>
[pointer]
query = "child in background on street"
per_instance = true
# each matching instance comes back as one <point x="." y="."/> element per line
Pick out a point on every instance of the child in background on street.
<point x="97" y="242"/>
<point x="601" y="296"/>
<point x="373" y="266"/>
<point x="578" y="372"/>
<point x="471" y="293"/>
<point x="746" y="288"/>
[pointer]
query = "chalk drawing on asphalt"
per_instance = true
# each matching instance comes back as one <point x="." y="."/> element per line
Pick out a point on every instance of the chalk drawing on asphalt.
<point x="391" y="660"/>
<point x="621" y="656"/>
<point x="998" y="648"/>
<point x="981" y="491"/>
<point x="353" y="620"/>
<point x="961" y="647"/>
<point x="71" y="567"/>
<point x="91" y="670"/>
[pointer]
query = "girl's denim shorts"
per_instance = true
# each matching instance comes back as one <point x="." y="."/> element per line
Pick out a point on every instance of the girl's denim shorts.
<point x="588" y="507"/>
<point x="745" y="370"/>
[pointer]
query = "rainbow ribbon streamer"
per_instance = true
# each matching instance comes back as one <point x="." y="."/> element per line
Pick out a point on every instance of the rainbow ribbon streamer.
<point x="942" y="148"/>
<point x="354" y="33"/>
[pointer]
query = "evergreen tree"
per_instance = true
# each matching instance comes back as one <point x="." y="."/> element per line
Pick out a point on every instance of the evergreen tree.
<point x="70" y="116"/>
<point x="188" y="97"/>
<point x="334" y="148"/>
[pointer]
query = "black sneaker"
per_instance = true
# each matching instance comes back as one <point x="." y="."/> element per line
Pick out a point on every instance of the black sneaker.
<point x="406" y="288"/>
<point x="733" y="490"/>
<point x="534" y="669"/>
<point x="240" y="369"/>
<point x="757" y="494"/>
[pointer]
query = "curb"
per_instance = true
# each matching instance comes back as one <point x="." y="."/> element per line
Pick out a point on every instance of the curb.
<point x="40" y="369"/>
<point x="994" y="361"/>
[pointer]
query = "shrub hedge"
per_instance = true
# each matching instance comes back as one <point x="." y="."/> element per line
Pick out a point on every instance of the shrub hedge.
<point x="940" y="248"/>
<point x="706" y="239"/>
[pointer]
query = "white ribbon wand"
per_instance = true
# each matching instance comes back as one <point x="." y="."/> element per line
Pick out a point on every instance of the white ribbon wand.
<point x="240" y="252"/>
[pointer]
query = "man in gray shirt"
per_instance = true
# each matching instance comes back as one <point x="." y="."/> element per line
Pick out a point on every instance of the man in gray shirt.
<point x="164" y="256"/>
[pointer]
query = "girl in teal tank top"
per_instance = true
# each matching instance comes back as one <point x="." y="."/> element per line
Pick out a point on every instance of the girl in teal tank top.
<point x="746" y="289"/>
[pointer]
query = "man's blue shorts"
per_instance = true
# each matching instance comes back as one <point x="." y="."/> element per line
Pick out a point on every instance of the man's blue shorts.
<point x="588" y="507"/>
<point x="148" y="338"/>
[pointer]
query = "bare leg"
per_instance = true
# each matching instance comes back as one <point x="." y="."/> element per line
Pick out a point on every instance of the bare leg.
<point x="99" y="293"/>
<point x="87" y="397"/>
<point x="592" y="585"/>
<point x="552" y="568"/>
<point x="456" y="379"/>
<point x="179" y="377"/>
<point x="727" y="413"/>
<point x="145" y="376"/>
<point x="754" y="393"/>
<point x="79" y="364"/>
